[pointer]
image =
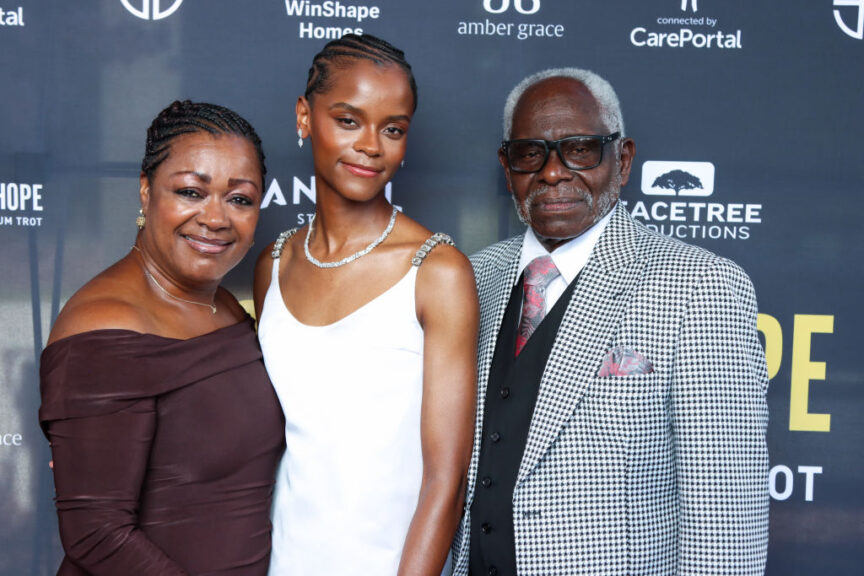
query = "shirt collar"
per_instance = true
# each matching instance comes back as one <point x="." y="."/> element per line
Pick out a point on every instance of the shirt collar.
<point x="569" y="258"/>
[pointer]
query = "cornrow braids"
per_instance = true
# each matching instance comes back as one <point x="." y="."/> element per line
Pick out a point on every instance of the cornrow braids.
<point x="185" y="117"/>
<point x="352" y="47"/>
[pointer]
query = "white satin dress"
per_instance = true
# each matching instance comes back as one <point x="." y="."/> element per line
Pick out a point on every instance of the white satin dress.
<point x="351" y="391"/>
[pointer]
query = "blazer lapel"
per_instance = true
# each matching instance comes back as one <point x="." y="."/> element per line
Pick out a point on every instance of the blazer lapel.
<point x="586" y="331"/>
<point x="494" y="294"/>
<point x="497" y="295"/>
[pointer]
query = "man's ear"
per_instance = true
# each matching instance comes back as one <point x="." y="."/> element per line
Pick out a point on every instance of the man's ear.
<point x="502" y="158"/>
<point x="628" y="151"/>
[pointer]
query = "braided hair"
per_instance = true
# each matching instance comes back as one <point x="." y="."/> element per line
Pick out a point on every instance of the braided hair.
<point x="352" y="47"/>
<point x="186" y="117"/>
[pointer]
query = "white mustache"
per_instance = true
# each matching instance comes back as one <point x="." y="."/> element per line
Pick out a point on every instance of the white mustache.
<point x="523" y="210"/>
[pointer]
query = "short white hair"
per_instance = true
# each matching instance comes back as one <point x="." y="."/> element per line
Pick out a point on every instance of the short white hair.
<point x="600" y="89"/>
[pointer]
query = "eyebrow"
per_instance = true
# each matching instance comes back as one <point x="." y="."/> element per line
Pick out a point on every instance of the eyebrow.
<point x="348" y="107"/>
<point x="402" y="117"/>
<point x="199" y="175"/>
<point x="207" y="178"/>
<point x="359" y="112"/>
<point x="236" y="181"/>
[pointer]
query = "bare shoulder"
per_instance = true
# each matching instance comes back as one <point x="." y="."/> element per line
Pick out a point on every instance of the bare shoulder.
<point x="282" y="247"/>
<point x="104" y="303"/>
<point x="264" y="262"/>
<point x="224" y="298"/>
<point x="445" y="263"/>
<point x="446" y="292"/>
<point x="445" y="270"/>
<point x="261" y="281"/>
<point x="442" y="264"/>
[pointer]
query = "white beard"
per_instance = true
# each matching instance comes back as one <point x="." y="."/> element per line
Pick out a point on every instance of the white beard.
<point x="605" y="200"/>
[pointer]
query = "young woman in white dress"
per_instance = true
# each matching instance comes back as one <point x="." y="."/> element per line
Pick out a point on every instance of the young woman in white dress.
<point x="368" y="324"/>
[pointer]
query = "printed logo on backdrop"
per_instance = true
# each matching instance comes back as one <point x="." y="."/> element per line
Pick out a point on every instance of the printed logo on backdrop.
<point x="11" y="440"/>
<point x="687" y="31"/>
<point x="500" y="21"/>
<point x="683" y="212"/>
<point x="847" y="5"/>
<point x="20" y="204"/>
<point x="781" y="481"/>
<point x="301" y="192"/>
<point x="678" y="178"/>
<point x="151" y="9"/>
<point x="12" y="17"/>
<point x="331" y="19"/>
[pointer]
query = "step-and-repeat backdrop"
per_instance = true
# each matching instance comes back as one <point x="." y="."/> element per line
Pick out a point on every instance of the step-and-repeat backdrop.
<point x="756" y="108"/>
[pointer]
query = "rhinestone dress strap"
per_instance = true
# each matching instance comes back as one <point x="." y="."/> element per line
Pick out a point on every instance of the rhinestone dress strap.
<point x="280" y="242"/>
<point x="428" y="245"/>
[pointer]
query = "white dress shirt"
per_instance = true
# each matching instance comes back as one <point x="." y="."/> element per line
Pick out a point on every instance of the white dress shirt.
<point x="569" y="258"/>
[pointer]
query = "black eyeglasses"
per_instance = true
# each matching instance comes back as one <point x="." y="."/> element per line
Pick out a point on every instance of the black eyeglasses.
<point x="580" y="152"/>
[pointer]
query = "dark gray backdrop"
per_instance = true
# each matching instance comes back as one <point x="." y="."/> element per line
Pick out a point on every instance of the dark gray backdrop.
<point x="776" y="111"/>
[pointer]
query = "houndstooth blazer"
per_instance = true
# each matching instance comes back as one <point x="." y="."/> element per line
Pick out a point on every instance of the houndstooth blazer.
<point x="661" y="473"/>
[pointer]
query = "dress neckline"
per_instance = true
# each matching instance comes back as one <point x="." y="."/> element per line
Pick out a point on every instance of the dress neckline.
<point x="356" y="311"/>
<point x="134" y="333"/>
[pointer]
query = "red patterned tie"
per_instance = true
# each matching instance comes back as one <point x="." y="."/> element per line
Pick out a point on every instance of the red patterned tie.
<point x="538" y="274"/>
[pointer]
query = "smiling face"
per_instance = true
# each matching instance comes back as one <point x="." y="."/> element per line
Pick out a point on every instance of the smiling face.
<point x="202" y="204"/>
<point x="358" y="129"/>
<point x="560" y="204"/>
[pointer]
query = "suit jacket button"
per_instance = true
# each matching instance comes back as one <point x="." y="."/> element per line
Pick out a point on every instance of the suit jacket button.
<point x="493" y="571"/>
<point x="486" y="482"/>
<point x="495" y="437"/>
<point x="505" y="393"/>
<point x="485" y="528"/>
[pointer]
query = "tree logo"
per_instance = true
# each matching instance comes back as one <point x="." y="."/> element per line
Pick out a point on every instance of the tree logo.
<point x="151" y="9"/>
<point x="677" y="178"/>
<point x="858" y="32"/>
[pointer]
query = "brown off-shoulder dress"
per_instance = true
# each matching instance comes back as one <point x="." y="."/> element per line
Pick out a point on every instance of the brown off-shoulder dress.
<point x="165" y="452"/>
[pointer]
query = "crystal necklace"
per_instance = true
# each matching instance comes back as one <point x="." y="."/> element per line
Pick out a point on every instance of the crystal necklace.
<point x="164" y="291"/>
<point x="352" y="257"/>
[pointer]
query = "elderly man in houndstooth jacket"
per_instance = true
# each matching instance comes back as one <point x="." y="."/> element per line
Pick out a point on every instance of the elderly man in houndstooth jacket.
<point x="621" y="411"/>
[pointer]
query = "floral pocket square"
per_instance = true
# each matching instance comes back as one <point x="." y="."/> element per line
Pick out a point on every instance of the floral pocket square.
<point x="623" y="361"/>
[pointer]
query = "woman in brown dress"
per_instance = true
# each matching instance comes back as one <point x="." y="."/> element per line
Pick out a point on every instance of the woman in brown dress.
<point x="165" y="431"/>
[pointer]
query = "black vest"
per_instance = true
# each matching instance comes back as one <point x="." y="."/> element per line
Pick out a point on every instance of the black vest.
<point x="510" y="398"/>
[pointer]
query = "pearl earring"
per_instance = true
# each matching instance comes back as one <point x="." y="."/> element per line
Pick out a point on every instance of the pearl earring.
<point x="299" y="137"/>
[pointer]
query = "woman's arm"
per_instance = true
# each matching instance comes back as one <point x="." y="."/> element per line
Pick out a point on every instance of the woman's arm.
<point x="448" y="311"/>
<point x="262" y="278"/>
<point x="99" y="467"/>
